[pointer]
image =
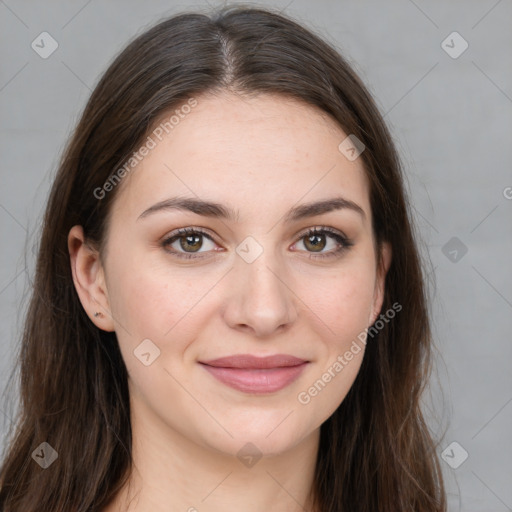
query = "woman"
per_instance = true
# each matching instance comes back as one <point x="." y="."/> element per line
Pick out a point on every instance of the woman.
<point x="229" y="308"/>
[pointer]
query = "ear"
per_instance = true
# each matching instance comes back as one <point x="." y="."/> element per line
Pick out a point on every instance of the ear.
<point x="89" y="279"/>
<point x="380" y="281"/>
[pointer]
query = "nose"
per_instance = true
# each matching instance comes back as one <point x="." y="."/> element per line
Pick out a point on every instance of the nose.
<point x="261" y="301"/>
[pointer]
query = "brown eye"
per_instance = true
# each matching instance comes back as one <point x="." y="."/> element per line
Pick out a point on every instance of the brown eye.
<point x="315" y="242"/>
<point x="186" y="243"/>
<point x="317" y="239"/>
<point x="193" y="242"/>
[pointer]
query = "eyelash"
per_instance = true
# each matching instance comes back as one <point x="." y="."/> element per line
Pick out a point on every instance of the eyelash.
<point x="343" y="241"/>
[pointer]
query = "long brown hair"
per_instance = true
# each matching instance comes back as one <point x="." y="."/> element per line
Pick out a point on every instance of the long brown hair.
<point x="376" y="452"/>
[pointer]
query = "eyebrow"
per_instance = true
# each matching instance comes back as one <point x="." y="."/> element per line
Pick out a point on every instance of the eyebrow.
<point x="216" y="210"/>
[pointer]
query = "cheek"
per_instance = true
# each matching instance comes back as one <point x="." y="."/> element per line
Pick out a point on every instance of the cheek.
<point x="156" y="318"/>
<point x="155" y="302"/>
<point x="143" y="297"/>
<point x="342" y="301"/>
<point x="342" y="305"/>
<point x="141" y="300"/>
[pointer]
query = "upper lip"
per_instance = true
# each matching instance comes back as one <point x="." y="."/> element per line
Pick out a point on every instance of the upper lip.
<point x="248" y="361"/>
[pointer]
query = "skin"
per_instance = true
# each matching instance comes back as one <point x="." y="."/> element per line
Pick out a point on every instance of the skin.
<point x="261" y="156"/>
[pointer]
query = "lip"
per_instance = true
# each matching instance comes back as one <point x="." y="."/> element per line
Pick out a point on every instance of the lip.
<point x="259" y="375"/>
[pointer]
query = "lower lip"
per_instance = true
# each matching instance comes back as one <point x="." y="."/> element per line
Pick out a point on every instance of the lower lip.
<point x="256" y="380"/>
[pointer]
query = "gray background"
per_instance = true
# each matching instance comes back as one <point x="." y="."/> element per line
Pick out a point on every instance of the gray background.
<point x="452" y="121"/>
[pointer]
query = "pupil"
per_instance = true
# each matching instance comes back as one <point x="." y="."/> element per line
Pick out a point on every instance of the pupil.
<point x="191" y="240"/>
<point x="315" y="245"/>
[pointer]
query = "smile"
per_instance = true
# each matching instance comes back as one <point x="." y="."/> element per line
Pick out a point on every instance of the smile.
<point x="257" y="375"/>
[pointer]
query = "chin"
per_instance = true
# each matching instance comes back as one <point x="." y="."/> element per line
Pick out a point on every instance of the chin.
<point x="256" y="438"/>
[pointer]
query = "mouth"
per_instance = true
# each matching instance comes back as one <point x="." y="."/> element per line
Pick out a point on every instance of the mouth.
<point x="256" y="375"/>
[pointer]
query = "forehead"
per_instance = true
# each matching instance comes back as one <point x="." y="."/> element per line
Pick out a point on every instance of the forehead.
<point x="246" y="152"/>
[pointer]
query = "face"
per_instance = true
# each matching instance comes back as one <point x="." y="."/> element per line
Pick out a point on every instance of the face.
<point x="232" y="327"/>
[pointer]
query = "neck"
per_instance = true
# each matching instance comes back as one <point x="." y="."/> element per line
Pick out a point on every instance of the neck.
<point x="172" y="472"/>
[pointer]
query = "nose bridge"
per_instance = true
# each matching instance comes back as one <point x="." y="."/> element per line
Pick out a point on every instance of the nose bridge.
<point x="261" y="299"/>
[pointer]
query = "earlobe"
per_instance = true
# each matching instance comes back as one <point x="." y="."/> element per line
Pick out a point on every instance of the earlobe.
<point x="89" y="279"/>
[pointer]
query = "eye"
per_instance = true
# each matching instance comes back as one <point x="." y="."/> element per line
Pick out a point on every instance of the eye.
<point x="187" y="242"/>
<point x="316" y="239"/>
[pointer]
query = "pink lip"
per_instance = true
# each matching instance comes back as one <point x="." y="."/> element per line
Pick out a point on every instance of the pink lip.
<point x="252" y="374"/>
